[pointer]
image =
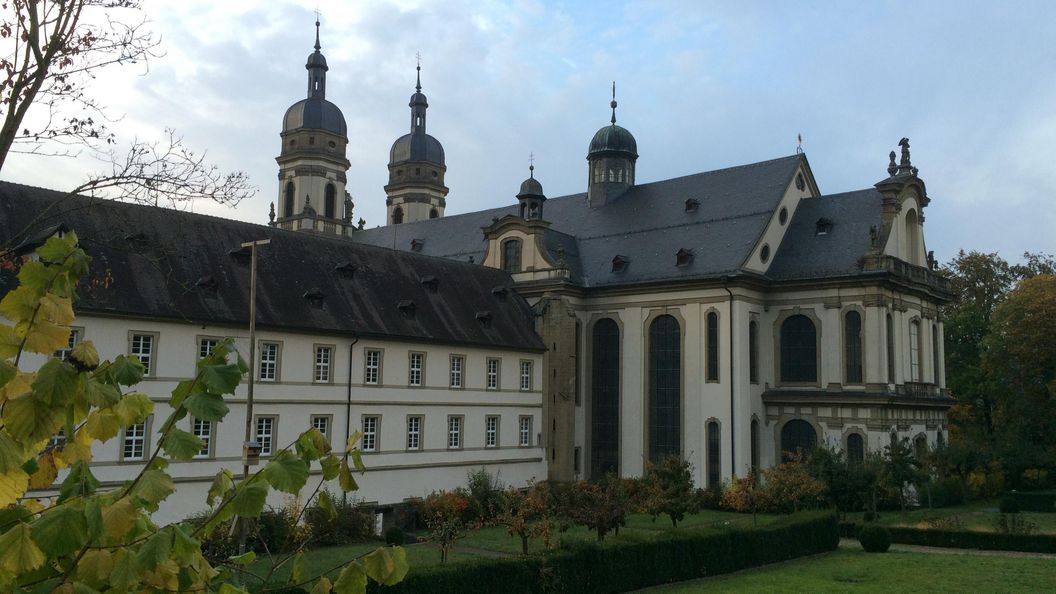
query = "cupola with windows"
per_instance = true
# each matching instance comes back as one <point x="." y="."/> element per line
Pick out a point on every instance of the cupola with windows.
<point x="611" y="158"/>
<point x="531" y="197"/>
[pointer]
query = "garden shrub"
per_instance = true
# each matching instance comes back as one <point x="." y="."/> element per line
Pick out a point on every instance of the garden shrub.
<point x="1009" y="505"/>
<point x="395" y="536"/>
<point x="943" y="492"/>
<point x="874" y="538"/>
<point x="1039" y="501"/>
<point x="353" y="523"/>
<point x="790" y="488"/>
<point x="963" y="539"/>
<point x="1014" y="524"/>
<point x="443" y="513"/>
<point x="870" y="516"/>
<point x="485" y="493"/>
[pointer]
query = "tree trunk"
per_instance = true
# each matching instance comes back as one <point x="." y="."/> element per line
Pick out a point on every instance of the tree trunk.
<point x="524" y="544"/>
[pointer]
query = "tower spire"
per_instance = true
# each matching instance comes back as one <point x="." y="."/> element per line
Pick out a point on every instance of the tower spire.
<point x="613" y="103"/>
<point x="317" y="68"/>
<point x="317" y="46"/>
<point x="418" y="85"/>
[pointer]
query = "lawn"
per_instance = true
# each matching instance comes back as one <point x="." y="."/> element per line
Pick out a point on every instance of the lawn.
<point x="854" y="570"/>
<point x="979" y="515"/>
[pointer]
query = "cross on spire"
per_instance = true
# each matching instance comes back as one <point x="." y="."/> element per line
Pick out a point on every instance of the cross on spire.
<point x="418" y="86"/>
<point x="531" y="165"/>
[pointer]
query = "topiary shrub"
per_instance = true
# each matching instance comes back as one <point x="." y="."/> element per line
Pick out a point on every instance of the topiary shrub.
<point x="1009" y="505"/>
<point x="874" y="538"/>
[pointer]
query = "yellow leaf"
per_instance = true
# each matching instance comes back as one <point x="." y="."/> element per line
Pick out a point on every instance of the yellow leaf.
<point x="18" y="386"/>
<point x="119" y="518"/>
<point x="164" y="576"/>
<point x="353" y="440"/>
<point x="18" y="553"/>
<point x="77" y="449"/>
<point x="47" y="471"/>
<point x="33" y="505"/>
<point x="44" y="337"/>
<point x="95" y="567"/>
<point x="56" y="309"/>
<point x="9" y="342"/>
<point x="102" y="425"/>
<point x="133" y="408"/>
<point x="13" y="485"/>
<point x="20" y="304"/>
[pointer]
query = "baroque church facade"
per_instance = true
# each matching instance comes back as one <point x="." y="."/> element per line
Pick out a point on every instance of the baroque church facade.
<point x="729" y="316"/>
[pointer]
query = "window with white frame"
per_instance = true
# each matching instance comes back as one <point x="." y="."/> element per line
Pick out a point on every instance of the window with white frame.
<point x="76" y="335"/>
<point x="525" y="432"/>
<point x="323" y="356"/>
<point x="372" y="371"/>
<point x="266" y="435"/>
<point x="142" y="348"/>
<point x="370" y="433"/>
<point x="134" y="443"/>
<point x="322" y="423"/>
<point x="206" y="346"/>
<point x="414" y="432"/>
<point x="269" y="362"/>
<point x="414" y="370"/>
<point x="58" y="440"/>
<point x="458" y="363"/>
<point x="492" y="376"/>
<point x="491" y="431"/>
<point x="454" y="432"/>
<point x="914" y="351"/>
<point x="526" y="376"/>
<point x="203" y="430"/>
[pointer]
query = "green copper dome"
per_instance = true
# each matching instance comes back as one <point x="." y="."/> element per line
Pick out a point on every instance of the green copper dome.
<point x="613" y="139"/>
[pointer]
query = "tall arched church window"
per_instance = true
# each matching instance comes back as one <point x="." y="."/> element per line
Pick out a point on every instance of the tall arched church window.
<point x="935" y="360"/>
<point x="920" y="446"/>
<point x="852" y="347"/>
<point x="287" y="201"/>
<point x="753" y="352"/>
<point x="755" y="444"/>
<point x="712" y="347"/>
<point x="799" y="350"/>
<point x="912" y="237"/>
<point x="511" y="255"/>
<point x="890" y="350"/>
<point x="855" y="448"/>
<point x="330" y="202"/>
<point x="665" y="388"/>
<point x="714" y="456"/>
<point x="914" y="351"/>
<point x="605" y="398"/>
<point x="397" y="215"/>
<point x="797" y="438"/>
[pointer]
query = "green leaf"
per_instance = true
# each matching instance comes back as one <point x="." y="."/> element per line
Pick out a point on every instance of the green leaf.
<point x="331" y="466"/>
<point x="35" y="275"/>
<point x="357" y="459"/>
<point x="184" y="547"/>
<point x="327" y="505"/>
<point x="12" y="454"/>
<point x="323" y="586"/>
<point x="78" y="482"/>
<point x="101" y="394"/>
<point x="386" y="566"/>
<point x="243" y="559"/>
<point x="249" y="499"/>
<point x="297" y="573"/>
<point x="20" y="304"/>
<point x="118" y="518"/>
<point x="153" y="487"/>
<point x="126" y="572"/>
<point x="180" y="392"/>
<point x="13" y="485"/>
<point x="207" y="407"/>
<point x="61" y="531"/>
<point x="155" y="550"/>
<point x="286" y="472"/>
<point x="228" y="588"/>
<point x="56" y="382"/>
<point x="222" y="483"/>
<point x="85" y="355"/>
<point x="221" y="379"/>
<point x="182" y="445"/>
<point x="351" y="580"/>
<point x="18" y="553"/>
<point x="133" y="408"/>
<point x="57" y="249"/>
<point x="95" y="567"/>
<point x="352" y="441"/>
<point x="7" y="372"/>
<point x="344" y="478"/>
<point x="127" y="371"/>
<point x="102" y="425"/>
<point x="28" y="420"/>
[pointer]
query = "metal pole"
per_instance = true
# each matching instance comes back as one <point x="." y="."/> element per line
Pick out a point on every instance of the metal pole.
<point x="252" y="245"/>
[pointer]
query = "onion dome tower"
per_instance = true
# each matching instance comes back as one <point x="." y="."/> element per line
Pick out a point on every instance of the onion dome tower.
<point x="531" y="197"/>
<point x="312" y="162"/>
<point x="416" y="189"/>
<point x="611" y="158"/>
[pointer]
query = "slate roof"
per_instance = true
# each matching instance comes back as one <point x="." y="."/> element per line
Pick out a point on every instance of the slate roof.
<point x="159" y="263"/>
<point x="648" y="225"/>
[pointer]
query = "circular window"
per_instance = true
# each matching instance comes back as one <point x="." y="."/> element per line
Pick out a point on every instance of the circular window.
<point x="434" y="174"/>
<point x="782" y="216"/>
<point x="333" y="144"/>
<point x="764" y="254"/>
<point x="293" y="142"/>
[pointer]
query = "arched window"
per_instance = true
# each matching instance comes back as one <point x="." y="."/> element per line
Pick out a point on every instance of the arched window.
<point x="855" y="448"/>
<point x="852" y="347"/>
<point x="665" y="388"/>
<point x="714" y="455"/>
<point x="935" y="361"/>
<point x="914" y="351"/>
<point x="511" y="255"/>
<point x="755" y="444"/>
<point x="287" y="202"/>
<point x="753" y="352"/>
<point x="940" y="441"/>
<point x="890" y="350"/>
<point x="397" y="215"/>
<point x="330" y="202"/>
<point x="712" y="370"/>
<point x="605" y="399"/>
<point x="797" y="437"/>
<point x="920" y="446"/>
<point x="433" y="213"/>
<point x="912" y="238"/>
<point x="799" y="350"/>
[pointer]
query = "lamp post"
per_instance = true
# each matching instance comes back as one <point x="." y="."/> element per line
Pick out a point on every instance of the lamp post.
<point x="250" y="449"/>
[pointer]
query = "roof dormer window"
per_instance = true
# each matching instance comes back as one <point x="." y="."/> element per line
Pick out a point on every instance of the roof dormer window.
<point x="823" y="226"/>
<point x="684" y="257"/>
<point x="619" y="263"/>
<point x="407" y="308"/>
<point x="692" y="205"/>
<point x="416" y="245"/>
<point x="484" y="317"/>
<point x="314" y="297"/>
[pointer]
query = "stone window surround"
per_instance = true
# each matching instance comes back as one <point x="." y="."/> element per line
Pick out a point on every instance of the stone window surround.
<point x="278" y="360"/>
<point x="152" y="369"/>
<point x="147" y="423"/>
<point x="652" y="314"/>
<point x="843" y="343"/>
<point x="783" y="315"/>
<point x="330" y="366"/>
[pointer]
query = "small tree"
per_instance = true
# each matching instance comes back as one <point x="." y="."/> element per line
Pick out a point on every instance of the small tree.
<point x="744" y="495"/>
<point x="790" y="488"/>
<point x="443" y="513"/>
<point x="601" y="506"/>
<point x="485" y="494"/>
<point x="900" y="468"/>
<point x="527" y="514"/>
<point x="669" y="489"/>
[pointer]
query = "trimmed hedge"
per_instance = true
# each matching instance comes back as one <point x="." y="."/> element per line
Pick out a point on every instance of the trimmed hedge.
<point x="1041" y="501"/>
<point x="963" y="539"/>
<point x="621" y="565"/>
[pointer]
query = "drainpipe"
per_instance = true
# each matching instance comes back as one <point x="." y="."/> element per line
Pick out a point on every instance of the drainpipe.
<point x="348" y="403"/>
<point x="733" y="442"/>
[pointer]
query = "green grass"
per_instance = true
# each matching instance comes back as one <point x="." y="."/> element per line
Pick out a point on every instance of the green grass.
<point x="851" y="570"/>
<point x="978" y="515"/>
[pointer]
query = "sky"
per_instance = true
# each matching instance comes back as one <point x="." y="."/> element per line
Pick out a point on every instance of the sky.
<point x="701" y="85"/>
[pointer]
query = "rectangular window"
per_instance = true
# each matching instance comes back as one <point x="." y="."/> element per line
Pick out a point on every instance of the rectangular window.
<point x="370" y="433"/>
<point x="142" y="348"/>
<point x="323" y="356"/>
<point x="577" y="453"/>
<point x="753" y="352"/>
<point x="372" y="371"/>
<point x="414" y="432"/>
<point x="76" y="335"/>
<point x="458" y="362"/>
<point x="322" y="423"/>
<point x="712" y="346"/>
<point x="414" y="369"/>
<point x="914" y="351"/>
<point x="206" y="346"/>
<point x="492" y="379"/>
<point x="526" y="376"/>
<point x="58" y="440"/>
<point x="203" y="430"/>
<point x="269" y="362"/>
<point x="525" y="437"/>
<point x="454" y="432"/>
<point x="266" y="435"/>
<point x="134" y="444"/>
<point x="491" y="431"/>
